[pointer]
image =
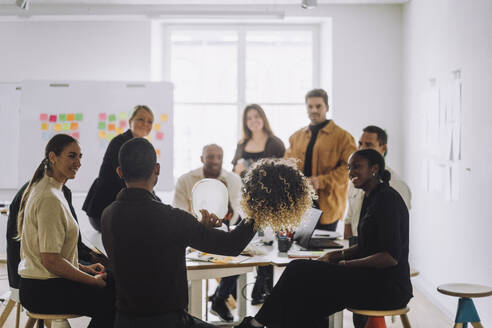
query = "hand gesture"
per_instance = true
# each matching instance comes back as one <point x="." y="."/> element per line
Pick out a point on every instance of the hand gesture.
<point x="100" y="280"/>
<point x="95" y="268"/>
<point x="331" y="257"/>
<point x="210" y="220"/>
<point x="239" y="168"/>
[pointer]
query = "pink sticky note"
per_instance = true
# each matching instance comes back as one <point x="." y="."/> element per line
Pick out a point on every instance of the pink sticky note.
<point x="159" y="135"/>
<point x="122" y="124"/>
<point x="52" y="118"/>
<point x="76" y="135"/>
<point x="102" y="116"/>
<point x="43" y="117"/>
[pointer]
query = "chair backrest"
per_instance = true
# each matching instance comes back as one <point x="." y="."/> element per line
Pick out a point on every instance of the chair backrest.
<point x="13" y="245"/>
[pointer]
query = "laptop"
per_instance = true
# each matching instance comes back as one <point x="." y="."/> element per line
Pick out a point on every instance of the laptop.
<point x="305" y="236"/>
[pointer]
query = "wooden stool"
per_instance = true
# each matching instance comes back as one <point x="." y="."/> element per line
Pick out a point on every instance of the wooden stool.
<point x="376" y="317"/>
<point x="466" y="312"/>
<point x="41" y="319"/>
<point x="13" y="300"/>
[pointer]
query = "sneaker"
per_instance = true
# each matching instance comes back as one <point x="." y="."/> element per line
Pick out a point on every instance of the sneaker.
<point x="220" y="309"/>
<point x="246" y="323"/>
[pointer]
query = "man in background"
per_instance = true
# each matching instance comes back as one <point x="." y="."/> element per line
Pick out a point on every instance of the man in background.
<point x="323" y="149"/>
<point x="212" y="157"/>
<point x="372" y="137"/>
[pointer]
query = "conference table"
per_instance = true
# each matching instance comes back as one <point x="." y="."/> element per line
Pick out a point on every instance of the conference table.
<point x="199" y="272"/>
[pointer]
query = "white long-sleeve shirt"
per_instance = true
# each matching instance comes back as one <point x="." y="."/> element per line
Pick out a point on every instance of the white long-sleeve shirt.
<point x="183" y="197"/>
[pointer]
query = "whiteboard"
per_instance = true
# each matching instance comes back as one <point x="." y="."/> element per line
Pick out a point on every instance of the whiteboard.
<point x="93" y="113"/>
<point x="10" y="95"/>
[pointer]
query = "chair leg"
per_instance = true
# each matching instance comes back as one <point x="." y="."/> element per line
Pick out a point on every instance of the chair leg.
<point x="47" y="323"/>
<point x="40" y="323"/>
<point x="404" y="320"/>
<point x="476" y="324"/>
<point x="30" y="323"/>
<point x="17" y="316"/>
<point x="6" y="312"/>
<point x="376" y="322"/>
<point x="458" y="325"/>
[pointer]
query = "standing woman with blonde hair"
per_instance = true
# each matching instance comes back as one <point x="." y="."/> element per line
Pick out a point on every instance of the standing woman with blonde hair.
<point x="52" y="280"/>
<point x="107" y="185"/>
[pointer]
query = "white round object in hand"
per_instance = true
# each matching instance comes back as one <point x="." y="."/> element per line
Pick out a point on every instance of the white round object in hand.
<point x="210" y="195"/>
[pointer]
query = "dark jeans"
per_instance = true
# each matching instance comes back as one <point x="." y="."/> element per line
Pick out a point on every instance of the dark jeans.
<point x="62" y="296"/>
<point x="309" y="291"/>
<point x="227" y="286"/>
<point x="180" y="319"/>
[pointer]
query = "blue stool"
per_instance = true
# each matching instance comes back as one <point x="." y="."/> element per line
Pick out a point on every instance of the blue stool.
<point x="466" y="313"/>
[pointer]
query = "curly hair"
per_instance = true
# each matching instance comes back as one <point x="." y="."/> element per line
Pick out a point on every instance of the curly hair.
<point x="276" y="194"/>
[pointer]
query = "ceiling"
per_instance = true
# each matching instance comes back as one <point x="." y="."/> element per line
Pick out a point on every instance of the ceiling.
<point x="198" y="2"/>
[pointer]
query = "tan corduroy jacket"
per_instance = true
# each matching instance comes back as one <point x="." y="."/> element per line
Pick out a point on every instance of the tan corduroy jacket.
<point x="331" y="151"/>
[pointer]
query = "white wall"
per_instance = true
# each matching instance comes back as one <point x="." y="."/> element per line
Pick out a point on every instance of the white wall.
<point x="79" y="50"/>
<point x="450" y="242"/>
<point x="87" y="50"/>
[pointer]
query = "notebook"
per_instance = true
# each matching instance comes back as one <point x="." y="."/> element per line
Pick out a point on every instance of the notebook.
<point x="305" y="237"/>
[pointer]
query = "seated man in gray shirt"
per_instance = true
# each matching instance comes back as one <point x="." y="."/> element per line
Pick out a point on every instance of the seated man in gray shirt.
<point x="146" y="241"/>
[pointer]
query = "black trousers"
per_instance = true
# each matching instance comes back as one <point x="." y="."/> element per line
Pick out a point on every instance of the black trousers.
<point x="308" y="291"/>
<point x="227" y="286"/>
<point x="180" y="319"/>
<point x="62" y="296"/>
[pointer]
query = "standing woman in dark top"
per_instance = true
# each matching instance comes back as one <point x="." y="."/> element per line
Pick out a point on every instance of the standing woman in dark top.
<point x="107" y="185"/>
<point x="373" y="274"/>
<point x="258" y="142"/>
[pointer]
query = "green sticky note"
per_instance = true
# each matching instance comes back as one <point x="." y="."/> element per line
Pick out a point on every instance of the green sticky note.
<point x="62" y="117"/>
<point x="79" y="117"/>
<point x="112" y="117"/>
<point x="101" y="126"/>
<point x="66" y="126"/>
<point x="111" y="135"/>
<point x="123" y="116"/>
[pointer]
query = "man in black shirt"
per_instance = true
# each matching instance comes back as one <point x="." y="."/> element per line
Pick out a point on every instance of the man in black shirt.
<point x="146" y="242"/>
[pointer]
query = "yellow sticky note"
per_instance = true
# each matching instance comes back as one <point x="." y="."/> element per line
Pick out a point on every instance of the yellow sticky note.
<point x="119" y="130"/>
<point x="57" y="127"/>
<point x="102" y="134"/>
<point x="157" y="127"/>
<point x="158" y="152"/>
<point x="164" y="117"/>
<point x="45" y="126"/>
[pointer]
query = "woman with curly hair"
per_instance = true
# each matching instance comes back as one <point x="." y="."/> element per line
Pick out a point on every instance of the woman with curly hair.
<point x="374" y="274"/>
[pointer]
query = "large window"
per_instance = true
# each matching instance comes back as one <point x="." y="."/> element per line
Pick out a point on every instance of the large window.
<point x="217" y="71"/>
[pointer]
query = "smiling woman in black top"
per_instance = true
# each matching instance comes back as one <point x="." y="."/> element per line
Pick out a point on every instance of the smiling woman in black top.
<point x="373" y="274"/>
<point x="107" y="185"/>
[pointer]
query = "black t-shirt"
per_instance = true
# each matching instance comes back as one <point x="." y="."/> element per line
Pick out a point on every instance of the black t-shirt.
<point x="253" y="156"/>
<point x="146" y="242"/>
<point x="383" y="227"/>
<point x="308" y="161"/>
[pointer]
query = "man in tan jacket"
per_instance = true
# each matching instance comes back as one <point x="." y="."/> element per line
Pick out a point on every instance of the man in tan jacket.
<point x="323" y="149"/>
